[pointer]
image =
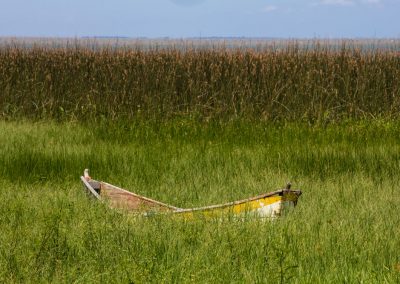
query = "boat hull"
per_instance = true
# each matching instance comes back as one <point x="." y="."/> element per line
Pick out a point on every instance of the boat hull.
<point x="269" y="205"/>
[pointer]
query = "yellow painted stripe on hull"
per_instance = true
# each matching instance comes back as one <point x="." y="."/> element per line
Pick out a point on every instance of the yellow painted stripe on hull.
<point x="236" y="209"/>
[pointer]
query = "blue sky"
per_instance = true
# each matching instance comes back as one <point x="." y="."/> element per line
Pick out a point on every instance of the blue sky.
<point x="195" y="18"/>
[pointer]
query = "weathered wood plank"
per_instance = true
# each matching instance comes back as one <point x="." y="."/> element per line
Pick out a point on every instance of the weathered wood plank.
<point x="89" y="189"/>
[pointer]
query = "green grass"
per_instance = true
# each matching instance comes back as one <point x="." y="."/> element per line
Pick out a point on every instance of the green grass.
<point x="344" y="229"/>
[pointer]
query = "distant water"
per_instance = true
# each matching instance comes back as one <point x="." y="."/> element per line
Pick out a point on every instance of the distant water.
<point x="257" y="44"/>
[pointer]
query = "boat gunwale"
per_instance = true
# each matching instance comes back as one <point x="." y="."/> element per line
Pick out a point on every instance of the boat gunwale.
<point x="278" y="192"/>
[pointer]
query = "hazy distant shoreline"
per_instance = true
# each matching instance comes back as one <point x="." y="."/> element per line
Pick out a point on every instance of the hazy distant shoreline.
<point x="94" y="42"/>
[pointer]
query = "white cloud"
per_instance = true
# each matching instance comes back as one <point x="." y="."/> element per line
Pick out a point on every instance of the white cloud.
<point x="372" y="1"/>
<point x="269" y="8"/>
<point x="187" y="2"/>
<point x="346" y="2"/>
<point x="338" y="2"/>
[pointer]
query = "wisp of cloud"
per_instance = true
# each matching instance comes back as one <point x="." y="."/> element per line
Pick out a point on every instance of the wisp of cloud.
<point x="187" y="2"/>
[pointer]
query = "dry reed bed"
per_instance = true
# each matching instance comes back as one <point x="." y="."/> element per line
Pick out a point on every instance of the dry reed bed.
<point x="318" y="84"/>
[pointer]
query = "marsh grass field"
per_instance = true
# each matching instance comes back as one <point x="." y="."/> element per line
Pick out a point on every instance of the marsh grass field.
<point x="194" y="151"/>
<point x="344" y="228"/>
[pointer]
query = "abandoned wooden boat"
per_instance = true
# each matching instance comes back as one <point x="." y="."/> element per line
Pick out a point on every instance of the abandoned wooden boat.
<point x="270" y="204"/>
